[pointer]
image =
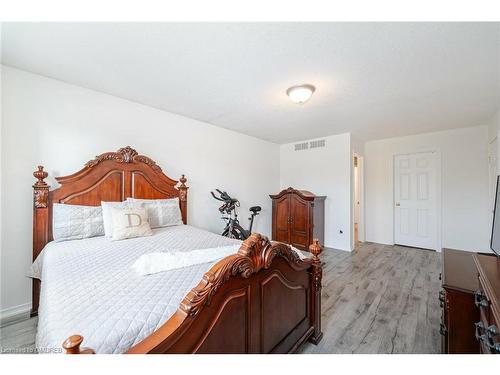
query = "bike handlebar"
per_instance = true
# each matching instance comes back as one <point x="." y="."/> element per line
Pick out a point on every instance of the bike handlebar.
<point x="229" y="203"/>
<point x="213" y="195"/>
<point x="224" y="197"/>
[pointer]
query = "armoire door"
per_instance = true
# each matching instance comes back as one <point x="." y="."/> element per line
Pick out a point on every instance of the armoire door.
<point x="282" y="217"/>
<point x="299" y="222"/>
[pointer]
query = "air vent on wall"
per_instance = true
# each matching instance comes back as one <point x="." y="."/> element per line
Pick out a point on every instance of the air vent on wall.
<point x="301" y="146"/>
<point x="317" y="143"/>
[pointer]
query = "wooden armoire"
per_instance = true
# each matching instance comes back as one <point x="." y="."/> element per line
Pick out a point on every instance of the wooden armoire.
<point x="298" y="217"/>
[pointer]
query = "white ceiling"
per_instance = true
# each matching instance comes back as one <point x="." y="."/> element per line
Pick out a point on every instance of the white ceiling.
<point x="375" y="80"/>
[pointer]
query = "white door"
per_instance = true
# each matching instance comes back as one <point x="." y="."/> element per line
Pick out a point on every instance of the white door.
<point x="416" y="200"/>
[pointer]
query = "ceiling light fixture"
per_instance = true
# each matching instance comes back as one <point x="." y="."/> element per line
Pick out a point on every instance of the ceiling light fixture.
<point x="301" y="93"/>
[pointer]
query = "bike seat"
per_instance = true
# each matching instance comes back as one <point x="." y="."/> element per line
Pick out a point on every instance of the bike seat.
<point x="255" y="209"/>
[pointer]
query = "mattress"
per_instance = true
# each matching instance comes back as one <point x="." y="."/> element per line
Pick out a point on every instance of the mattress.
<point x="89" y="288"/>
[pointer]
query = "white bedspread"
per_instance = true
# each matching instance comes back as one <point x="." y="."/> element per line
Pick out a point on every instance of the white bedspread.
<point x="89" y="287"/>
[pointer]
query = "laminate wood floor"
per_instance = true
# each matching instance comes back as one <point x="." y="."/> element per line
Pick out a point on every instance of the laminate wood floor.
<point x="18" y="338"/>
<point x="377" y="299"/>
<point x="380" y="299"/>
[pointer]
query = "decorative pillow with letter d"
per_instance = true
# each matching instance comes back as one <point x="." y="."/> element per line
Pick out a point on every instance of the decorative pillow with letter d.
<point x="130" y="222"/>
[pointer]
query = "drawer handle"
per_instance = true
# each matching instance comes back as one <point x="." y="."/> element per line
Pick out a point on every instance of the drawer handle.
<point x="442" y="329"/>
<point x="479" y="331"/>
<point x="484" y="303"/>
<point x="494" y="347"/>
<point x="480" y="300"/>
<point x="478" y="296"/>
<point x="492" y="331"/>
<point x="441" y="295"/>
<point x="442" y="298"/>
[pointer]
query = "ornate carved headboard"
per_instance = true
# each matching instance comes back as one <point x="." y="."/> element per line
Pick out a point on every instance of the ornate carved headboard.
<point x="112" y="176"/>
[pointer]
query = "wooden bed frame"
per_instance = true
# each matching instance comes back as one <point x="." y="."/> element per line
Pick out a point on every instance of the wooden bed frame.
<point x="263" y="299"/>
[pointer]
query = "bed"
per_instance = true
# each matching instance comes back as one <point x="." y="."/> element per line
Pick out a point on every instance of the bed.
<point x="262" y="298"/>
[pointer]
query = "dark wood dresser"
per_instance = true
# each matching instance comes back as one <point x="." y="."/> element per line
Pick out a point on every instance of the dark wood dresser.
<point x="487" y="299"/>
<point x="459" y="313"/>
<point x="298" y="217"/>
<point x="470" y="302"/>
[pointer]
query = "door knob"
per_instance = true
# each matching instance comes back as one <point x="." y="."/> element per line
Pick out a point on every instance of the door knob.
<point x="398" y="204"/>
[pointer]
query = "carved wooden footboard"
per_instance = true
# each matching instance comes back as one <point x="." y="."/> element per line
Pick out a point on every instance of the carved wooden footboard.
<point x="263" y="299"/>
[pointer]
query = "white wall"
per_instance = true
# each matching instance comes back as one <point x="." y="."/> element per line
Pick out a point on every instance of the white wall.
<point x="324" y="171"/>
<point x="62" y="126"/>
<point x="465" y="203"/>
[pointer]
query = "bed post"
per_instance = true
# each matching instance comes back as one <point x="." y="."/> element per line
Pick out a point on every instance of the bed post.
<point x="183" y="190"/>
<point x="316" y="275"/>
<point x="72" y="346"/>
<point x="40" y="226"/>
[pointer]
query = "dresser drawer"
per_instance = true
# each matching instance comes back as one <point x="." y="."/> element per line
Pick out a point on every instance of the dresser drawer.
<point x="458" y="317"/>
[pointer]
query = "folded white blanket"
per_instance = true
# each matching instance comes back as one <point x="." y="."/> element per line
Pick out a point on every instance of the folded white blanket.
<point x="148" y="264"/>
<point x="151" y="263"/>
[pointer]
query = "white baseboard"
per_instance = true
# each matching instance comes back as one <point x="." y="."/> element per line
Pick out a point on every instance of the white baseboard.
<point x="15" y="313"/>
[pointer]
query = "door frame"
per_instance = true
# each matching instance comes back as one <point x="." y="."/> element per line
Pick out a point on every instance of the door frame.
<point x="439" y="192"/>
<point x="361" y="224"/>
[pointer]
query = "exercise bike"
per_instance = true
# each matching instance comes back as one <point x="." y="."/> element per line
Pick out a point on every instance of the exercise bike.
<point x="233" y="228"/>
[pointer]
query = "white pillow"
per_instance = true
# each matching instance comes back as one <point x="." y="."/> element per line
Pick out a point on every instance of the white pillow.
<point x="161" y="212"/>
<point x="130" y="222"/>
<point x="74" y="222"/>
<point x="106" y="214"/>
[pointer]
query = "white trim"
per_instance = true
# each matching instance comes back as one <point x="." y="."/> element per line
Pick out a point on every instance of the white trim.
<point x="15" y="313"/>
<point x="361" y="224"/>
<point x="361" y="228"/>
<point x="439" y="192"/>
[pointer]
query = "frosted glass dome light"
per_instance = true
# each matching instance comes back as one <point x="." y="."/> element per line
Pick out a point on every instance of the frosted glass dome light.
<point x="301" y="93"/>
